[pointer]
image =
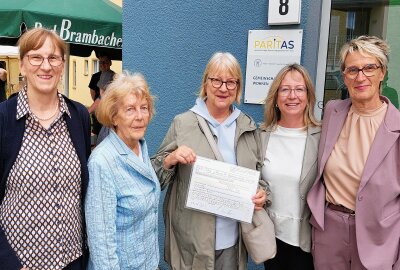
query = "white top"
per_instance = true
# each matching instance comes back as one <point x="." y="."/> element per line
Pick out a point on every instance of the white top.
<point x="282" y="169"/>
<point x="140" y="153"/>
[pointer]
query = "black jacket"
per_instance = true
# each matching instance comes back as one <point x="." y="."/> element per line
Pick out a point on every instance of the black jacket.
<point x="11" y="134"/>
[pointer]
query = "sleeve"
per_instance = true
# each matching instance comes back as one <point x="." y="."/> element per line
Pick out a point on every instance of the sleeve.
<point x="168" y="145"/>
<point x="262" y="184"/>
<point x="93" y="82"/>
<point x="101" y="209"/>
<point x="86" y="129"/>
<point x="8" y="257"/>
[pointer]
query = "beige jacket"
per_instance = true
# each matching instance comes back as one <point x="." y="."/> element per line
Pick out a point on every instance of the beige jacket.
<point x="190" y="235"/>
<point x="307" y="178"/>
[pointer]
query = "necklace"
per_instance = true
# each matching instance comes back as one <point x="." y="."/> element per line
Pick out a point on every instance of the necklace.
<point x="46" y="119"/>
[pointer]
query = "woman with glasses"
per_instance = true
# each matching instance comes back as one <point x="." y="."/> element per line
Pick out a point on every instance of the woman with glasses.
<point x="290" y="136"/>
<point x="123" y="194"/>
<point x="355" y="201"/>
<point x="197" y="240"/>
<point x="44" y="146"/>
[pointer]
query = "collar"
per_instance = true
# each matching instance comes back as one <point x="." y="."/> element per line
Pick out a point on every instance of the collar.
<point x="23" y="105"/>
<point x="121" y="146"/>
<point x="200" y="108"/>
<point x="310" y="129"/>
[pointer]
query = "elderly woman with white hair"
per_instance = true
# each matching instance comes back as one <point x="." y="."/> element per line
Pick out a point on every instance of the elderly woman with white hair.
<point x="123" y="193"/>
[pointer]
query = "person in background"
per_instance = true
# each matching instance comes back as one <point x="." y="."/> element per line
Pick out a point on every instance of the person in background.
<point x="105" y="66"/>
<point x="123" y="193"/>
<point x="3" y="81"/>
<point x="290" y="136"/>
<point x="197" y="240"/>
<point x="355" y="201"/>
<point x="44" y="147"/>
<point x="105" y="79"/>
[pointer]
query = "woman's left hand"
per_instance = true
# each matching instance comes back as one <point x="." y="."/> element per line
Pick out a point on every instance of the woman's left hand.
<point x="259" y="199"/>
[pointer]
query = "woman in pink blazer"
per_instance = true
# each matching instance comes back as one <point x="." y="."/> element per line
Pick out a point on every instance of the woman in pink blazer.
<point x="355" y="201"/>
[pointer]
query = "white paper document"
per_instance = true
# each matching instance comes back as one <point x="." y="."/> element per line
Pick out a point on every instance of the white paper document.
<point x="222" y="189"/>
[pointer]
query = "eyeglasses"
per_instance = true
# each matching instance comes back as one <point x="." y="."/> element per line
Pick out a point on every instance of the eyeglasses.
<point x="368" y="70"/>
<point x="298" y="91"/>
<point x="230" y="84"/>
<point x="37" y="60"/>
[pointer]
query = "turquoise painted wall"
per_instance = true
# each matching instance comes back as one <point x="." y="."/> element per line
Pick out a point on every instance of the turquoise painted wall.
<point x="171" y="41"/>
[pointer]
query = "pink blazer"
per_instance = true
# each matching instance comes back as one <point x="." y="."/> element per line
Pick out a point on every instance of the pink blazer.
<point x="378" y="197"/>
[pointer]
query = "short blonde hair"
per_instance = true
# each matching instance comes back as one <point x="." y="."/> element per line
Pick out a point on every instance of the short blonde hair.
<point x="272" y="114"/>
<point x="34" y="39"/>
<point x="369" y="45"/>
<point x="222" y="62"/>
<point x="123" y="84"/>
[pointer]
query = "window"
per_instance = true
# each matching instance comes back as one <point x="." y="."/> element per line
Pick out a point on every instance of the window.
<point x="86" y="67"/>
<point x="74" y="74"/>
<point x="95" y="66"/>
<point x="350" y="19"/>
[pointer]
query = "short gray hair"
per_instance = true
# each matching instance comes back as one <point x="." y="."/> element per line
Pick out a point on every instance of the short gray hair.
<point x="370" y="45"/>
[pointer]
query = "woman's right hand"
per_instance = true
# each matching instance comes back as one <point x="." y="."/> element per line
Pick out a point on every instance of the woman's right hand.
<point x="182" y="154"/>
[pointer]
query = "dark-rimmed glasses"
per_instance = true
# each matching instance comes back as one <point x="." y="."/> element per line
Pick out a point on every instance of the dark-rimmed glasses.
<point x="368" y="70"/>
<point x="37" y="60"/>
<point x="230" y="84"/>
<point x="299" y="91"/>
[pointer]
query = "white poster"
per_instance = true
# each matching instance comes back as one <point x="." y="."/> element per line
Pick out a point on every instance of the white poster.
<point x="268" y="51"/>
<point x="222" y="189"/>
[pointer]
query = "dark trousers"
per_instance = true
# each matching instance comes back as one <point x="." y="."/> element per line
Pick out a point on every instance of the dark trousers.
<point x="289" y="257"/>
<point x="96" y="126"/>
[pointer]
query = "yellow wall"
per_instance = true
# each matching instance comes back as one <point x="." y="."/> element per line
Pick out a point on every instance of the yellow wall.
<point x="81" y="92"/>
<point x="12" y="64"/>
<point x="117" y="2"/>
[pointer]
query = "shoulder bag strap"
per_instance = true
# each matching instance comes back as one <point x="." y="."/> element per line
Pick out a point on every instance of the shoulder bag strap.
<point x="209" y="137"/>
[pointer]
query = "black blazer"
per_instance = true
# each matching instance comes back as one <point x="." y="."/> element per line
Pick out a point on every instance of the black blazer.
<point x="11" y="134"/>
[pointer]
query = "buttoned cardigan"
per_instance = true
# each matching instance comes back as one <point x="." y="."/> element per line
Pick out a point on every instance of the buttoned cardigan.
<point x="11" y="135"/>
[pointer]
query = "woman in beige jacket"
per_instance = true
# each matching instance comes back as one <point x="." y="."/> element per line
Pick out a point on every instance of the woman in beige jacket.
<point x="197" y="240"/>
<point x="290" y="137"/>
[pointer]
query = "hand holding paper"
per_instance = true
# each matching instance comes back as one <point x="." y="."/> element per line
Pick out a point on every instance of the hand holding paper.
<point x="223" y="189"/>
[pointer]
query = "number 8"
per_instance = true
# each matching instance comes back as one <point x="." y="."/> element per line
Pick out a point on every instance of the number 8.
<point x="283" y="7"/>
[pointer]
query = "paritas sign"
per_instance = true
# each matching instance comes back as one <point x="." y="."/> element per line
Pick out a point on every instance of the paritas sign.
<point x="268" y="51"/>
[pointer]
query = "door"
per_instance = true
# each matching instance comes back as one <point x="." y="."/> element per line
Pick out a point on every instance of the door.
<point x="350" y="19"/>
